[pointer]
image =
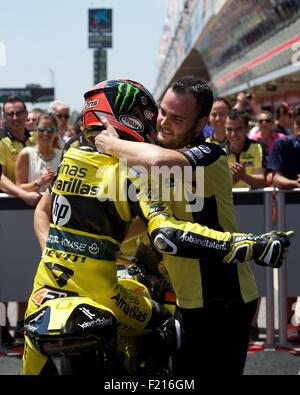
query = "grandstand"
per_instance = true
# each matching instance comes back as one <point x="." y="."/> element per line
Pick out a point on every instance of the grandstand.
<point x="244" y="45"/>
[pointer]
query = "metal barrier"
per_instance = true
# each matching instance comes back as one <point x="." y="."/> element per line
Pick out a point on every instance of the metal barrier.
<point x="20" y="252"/>
<point x="19" y="249"/>
<point x="254" y="214"/>
<point x="254" y="210"/>
<point x="288" y="204"/>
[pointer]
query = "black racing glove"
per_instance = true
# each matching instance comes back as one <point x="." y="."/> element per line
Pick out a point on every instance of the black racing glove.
<point x="268" y="249"/>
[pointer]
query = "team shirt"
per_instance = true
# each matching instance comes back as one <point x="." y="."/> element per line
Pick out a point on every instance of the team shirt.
<point x="198" y="282"/>
<point x="253" y="155"/>
<point x="10" y="147"/>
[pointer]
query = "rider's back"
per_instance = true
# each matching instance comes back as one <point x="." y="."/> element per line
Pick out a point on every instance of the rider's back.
<point x="86" y="228"/>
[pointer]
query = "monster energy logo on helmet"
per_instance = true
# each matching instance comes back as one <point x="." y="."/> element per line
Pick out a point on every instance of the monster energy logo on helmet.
<point x="128" y="97"/>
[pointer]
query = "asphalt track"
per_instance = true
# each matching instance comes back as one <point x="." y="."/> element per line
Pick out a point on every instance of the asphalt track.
<point x="259" y="361"/>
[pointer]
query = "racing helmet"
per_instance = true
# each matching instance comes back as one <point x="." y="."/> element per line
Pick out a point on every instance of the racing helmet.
<point x="127" y="105"/>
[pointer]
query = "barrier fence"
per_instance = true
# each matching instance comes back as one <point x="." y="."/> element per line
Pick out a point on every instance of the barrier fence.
<point x="20" y="252"/>
<point x="259" y="211"/>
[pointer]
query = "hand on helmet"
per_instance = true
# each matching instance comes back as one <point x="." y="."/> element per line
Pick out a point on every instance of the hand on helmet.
<point x="268" y="249"/>
<point x="103" y="139"/>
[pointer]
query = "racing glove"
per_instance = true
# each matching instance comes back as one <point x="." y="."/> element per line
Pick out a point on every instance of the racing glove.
<point x="268" y="249"/>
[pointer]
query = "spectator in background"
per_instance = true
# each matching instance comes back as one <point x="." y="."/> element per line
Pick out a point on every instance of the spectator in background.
<point x="16" y="135"/>
<point x="285" y="164"/>
<point x="71" y="131"/>
<point x="217" y="118"/>
<point x="247" y="102"/>
<point x="36" y="166"/>
<point x="32" y="117"/>
<point x="246" y="158"/>
<point x="284" y="120"/>
<point x="62" y="112"/>
<point x="76" y="128"/>
<point x="265" y="132"/>
<point x="285" y="158"/>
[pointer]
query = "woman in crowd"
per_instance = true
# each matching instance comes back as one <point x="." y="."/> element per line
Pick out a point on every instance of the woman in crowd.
<point x="37" y="165"/>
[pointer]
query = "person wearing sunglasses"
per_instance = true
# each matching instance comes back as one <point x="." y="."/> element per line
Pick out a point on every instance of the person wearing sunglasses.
<point x="62" y="112"/>
<point x="16" y="135"/>
<point x="265" y="132"/>
<point x="32" y="118"/>
<point x="36" y="166"/>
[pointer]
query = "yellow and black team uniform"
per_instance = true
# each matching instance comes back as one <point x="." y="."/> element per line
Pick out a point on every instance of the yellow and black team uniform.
<point x="86" y="229"/>
<point x="253" y="155"/>
<point x="85" y="234"/>
<point x="216" y="302"/>
<point x="10" y="147"/>
<point x="201" y="284"/>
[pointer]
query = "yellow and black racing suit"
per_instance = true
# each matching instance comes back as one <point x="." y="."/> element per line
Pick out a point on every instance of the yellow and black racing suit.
<point x="86" y="230"/>
<point x="215" y="301"/>
<point x="205" y="281"/>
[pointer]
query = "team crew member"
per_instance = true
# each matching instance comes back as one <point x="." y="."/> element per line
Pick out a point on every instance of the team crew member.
<point x="215" y="301"/>
<point x="88" y="223"/>
<point x="246" y="158"/>
<point x="16" y="135"/>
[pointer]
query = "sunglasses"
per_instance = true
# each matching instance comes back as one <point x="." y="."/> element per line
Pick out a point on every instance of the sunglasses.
<point x="61" y="116"/>
<point x="264" y="120"/>
<point x="31" y="120"/>
<point x="40" y="129"/>
<point x="16" y="113"/>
